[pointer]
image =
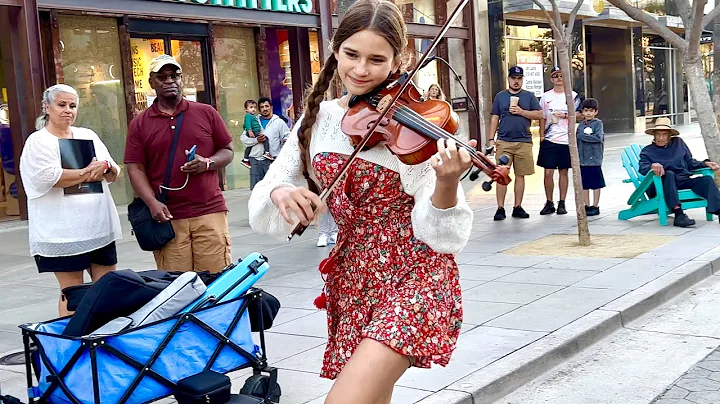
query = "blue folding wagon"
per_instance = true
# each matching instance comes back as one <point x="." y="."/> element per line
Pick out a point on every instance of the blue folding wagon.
<point x="143" y="364"/>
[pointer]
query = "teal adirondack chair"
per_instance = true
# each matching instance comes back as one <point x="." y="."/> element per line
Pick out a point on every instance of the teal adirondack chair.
<point x="639" y="202"/>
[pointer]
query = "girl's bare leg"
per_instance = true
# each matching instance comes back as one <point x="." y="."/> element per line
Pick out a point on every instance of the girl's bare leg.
<point x="369" y="376"/>
<point x="596" y="196"/>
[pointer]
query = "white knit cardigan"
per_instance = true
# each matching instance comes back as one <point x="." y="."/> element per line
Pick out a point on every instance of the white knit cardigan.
<point x="443" y="230"/>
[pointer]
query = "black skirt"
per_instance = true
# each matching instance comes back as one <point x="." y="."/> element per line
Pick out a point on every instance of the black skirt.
<point x="105" y="256"/>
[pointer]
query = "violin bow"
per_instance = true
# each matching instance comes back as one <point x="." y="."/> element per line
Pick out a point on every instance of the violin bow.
<point x="300" y="228"/>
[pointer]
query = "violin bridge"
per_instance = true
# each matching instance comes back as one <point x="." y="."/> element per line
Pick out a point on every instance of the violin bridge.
<point x="384" y="103"/>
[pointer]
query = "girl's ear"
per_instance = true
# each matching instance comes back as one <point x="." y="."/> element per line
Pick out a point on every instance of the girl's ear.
<point x="396" y="64"/>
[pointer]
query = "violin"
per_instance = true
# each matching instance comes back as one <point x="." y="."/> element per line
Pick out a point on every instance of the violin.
<point x="412" y="127"/>
<point x="393" y="113"/>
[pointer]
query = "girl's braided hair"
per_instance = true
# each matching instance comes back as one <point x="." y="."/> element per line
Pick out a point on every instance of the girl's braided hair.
<point x="380" y="16"/>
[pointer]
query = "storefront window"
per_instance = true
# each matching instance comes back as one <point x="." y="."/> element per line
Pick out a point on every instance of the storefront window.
<point x="237" y="82"/>
<point x="189" y="55"/>
<point x="315" y="62"/>
<point x="657" y="77"/>
<point x="143" y="51"/>
<point x="280" y="72"/>
<point x="532" y="48"/>
<point x="91" y="63"/>
<point x="418" y="11"/>
<point x="9" y="207"/>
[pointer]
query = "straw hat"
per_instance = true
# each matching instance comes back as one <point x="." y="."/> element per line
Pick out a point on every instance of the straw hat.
<point x="662" y="124"/>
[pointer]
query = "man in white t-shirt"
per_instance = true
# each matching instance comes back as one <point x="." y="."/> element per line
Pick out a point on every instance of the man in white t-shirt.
<point x="554" y="150"/>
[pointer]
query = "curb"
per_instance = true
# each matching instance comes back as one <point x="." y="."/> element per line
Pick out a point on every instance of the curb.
<point x="507" y="374"/>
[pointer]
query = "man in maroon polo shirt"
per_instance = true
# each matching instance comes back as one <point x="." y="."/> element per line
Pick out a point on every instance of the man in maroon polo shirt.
<point x="195" y="204"/>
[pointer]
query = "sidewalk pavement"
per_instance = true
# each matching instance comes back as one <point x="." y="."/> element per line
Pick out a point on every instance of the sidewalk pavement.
<point x="523" y="313"/>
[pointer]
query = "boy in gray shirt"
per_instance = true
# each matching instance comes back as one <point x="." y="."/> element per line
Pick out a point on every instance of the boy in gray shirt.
<point x="591" y="139"/>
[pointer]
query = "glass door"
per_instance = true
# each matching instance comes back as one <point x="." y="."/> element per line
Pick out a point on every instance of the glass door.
<point x="191" y="53"/>
<point x="660" y="84"/>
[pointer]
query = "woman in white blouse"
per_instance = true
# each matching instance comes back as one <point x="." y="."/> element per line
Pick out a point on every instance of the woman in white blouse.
<point x="69" y="233"/>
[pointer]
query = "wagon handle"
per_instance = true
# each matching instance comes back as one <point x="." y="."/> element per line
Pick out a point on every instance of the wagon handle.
<point x="201" y="303"/>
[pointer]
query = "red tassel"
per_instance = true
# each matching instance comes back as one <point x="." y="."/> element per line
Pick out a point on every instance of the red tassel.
<point x="321" y="301"/>
<point x="325" y="266"/>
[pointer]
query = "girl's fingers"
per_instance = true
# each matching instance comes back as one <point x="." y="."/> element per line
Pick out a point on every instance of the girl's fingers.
<point x="307" y="210"/>
<point x="434" y="162"/>
<point x="293" y="207"/>
<point x="284" y="213"/>
<point x="464" y="157"/>
<point x="441" y="154"/>
<point x="451" y="149"/>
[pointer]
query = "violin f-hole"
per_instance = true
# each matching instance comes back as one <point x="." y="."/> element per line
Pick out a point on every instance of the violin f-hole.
<point x="384" y="122"/>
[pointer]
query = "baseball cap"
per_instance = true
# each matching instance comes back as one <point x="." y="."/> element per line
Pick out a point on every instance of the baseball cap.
<point x="555" y="70"/>
<point x="163" y="60"/>
<point x="515" y="71"/>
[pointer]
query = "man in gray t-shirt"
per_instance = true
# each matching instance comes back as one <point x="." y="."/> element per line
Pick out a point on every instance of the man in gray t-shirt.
<point x="512" y="112"/>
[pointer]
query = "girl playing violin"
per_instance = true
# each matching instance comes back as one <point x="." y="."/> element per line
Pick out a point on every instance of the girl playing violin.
<point x="392" y="289"/>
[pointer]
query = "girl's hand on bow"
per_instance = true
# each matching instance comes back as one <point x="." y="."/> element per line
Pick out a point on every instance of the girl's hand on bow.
<point x="302" y="202"/>
<point x="450" y="163"/>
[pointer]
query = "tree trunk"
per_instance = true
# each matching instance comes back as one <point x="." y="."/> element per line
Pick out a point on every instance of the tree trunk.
<point x="716" y="66"/>
<point x="583" y="230"/>
<point x="703" y="106"/>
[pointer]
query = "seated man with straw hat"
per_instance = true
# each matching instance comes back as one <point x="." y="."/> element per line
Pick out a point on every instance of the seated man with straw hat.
<point x="669" y="157"/>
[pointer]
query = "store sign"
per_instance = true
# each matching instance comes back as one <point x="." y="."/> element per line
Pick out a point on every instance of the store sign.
<point x="532" y="64"/>
<point x="290" y="6"/>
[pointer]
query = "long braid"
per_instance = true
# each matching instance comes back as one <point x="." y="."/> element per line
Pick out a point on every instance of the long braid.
<point x="311" y="109"/>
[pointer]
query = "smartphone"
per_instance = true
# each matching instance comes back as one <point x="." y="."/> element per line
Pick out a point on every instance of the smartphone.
<point x="191" y="154"/>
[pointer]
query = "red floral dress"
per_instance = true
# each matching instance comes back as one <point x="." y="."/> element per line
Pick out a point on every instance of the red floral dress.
<point x="380" y="281"/>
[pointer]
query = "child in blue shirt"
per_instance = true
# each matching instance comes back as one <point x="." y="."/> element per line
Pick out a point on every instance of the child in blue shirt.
<point x="251" y="125"/>
<point x="591" y="139"/>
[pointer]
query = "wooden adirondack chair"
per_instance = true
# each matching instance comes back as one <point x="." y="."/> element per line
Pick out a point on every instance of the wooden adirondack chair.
<point x="641" y="204"/>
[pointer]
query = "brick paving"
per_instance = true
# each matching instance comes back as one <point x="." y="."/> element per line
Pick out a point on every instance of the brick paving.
<point x="699" y="385"/>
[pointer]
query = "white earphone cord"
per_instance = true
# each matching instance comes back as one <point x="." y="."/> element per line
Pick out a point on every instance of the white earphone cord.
<point x="187" y="177"/>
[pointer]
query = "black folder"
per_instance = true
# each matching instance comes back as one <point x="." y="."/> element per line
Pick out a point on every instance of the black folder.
<point x="77" y="154"/>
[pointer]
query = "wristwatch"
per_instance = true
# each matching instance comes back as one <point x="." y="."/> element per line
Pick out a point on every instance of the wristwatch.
<point x="107" y="167"/>
<point x="209" y="164"/>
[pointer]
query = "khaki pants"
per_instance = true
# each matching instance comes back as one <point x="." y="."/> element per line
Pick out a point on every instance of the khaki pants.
<point x="201" y="244"/>
<point x="520" y="155"/>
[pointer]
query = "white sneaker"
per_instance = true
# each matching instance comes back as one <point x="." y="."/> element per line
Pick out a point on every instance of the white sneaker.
<point x="332" y="239"/>
<point x="322" y="241"/>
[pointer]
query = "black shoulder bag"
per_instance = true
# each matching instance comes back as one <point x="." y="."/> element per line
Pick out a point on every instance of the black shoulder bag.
<point x="151" y="234"/>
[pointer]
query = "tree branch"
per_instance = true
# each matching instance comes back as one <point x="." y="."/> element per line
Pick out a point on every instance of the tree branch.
<point x="550" y="19"/>
<point x="641" y="16"/>
<point x="556" y="14"/>
<point x="573" y="15"/>
<point x="710" y="17"/>
<point x="694" y="31"/>
<point x="684" y="11"/>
